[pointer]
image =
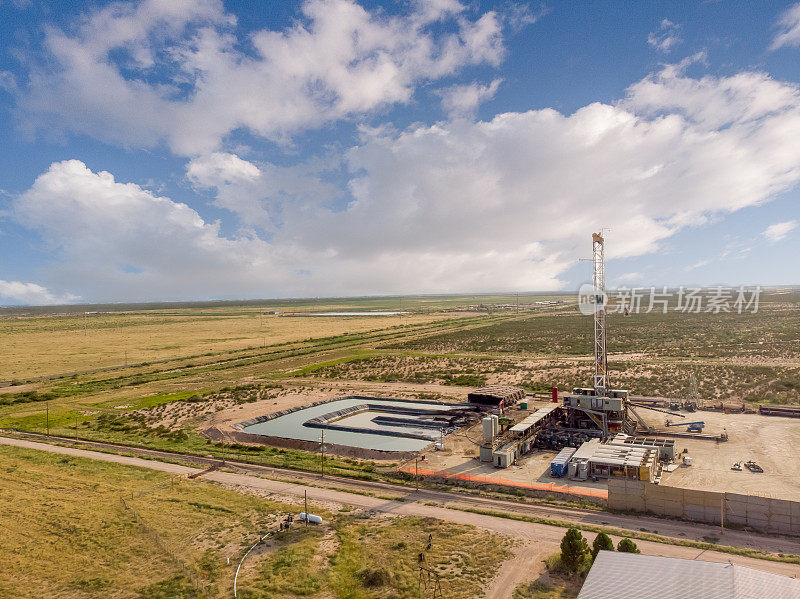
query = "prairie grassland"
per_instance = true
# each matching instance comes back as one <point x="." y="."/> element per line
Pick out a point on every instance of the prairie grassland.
<point x="716" y="381"/>
<point x="67" y="534"/>
<point x="53" y="344"/>
<point x="770" y="334"/>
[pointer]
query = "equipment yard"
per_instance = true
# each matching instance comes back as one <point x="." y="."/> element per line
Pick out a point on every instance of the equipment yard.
<point x="770" y="442"/>
<point x="710" y="470"/>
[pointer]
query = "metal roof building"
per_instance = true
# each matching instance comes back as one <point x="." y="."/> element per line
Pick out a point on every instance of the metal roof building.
<point x="532" y="420"/>
<point x="494" y="395"/>
<point x="614" y="459"/>
<point x="636" y="576"/>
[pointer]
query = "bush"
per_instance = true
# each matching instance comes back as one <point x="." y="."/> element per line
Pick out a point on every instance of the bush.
<point x="374" y="578"/>
<point x="574" y="550"/>
<point x="601" y="542"/>
<point x="627" y="546"/>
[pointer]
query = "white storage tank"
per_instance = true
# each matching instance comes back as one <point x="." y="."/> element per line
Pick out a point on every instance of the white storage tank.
<point x="310" y="517"/>
<point x="488" y="428"/>
<point x="573" y="469"/>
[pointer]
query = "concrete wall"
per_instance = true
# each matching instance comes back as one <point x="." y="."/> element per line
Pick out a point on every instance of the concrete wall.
<point x="761" y="513"/>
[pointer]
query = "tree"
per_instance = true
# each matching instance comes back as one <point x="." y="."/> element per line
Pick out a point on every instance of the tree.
<point x="574" y="550"/>
<point x="601" y="542"/>
<point x="627" y="546"/>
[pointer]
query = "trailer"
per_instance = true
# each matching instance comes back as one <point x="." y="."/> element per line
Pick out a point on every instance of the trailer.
<point x="560" y="464"/>
<point x="785" y="411"/>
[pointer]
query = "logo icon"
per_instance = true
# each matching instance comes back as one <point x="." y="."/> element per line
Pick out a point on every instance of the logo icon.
<point x="588" y="301"/>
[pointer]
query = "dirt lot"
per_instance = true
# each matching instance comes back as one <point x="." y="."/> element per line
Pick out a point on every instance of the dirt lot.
<point x="769" y="441"/>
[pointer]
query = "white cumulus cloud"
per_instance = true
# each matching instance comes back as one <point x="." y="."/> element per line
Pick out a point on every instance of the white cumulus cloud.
<point x="34" y="294"/>
<point x="462" y="101"/>
<point x="507" y="203"/>
<point x="121" y="241"/>
<point x="336" y="61"/>
<point x="779" y="231"/>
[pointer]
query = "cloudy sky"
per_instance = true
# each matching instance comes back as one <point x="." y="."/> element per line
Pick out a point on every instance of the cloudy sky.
<point x="196" y="149"/>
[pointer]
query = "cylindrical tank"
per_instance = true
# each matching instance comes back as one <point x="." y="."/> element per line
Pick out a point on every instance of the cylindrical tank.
<point x="310" y="517"/>
<point x="583" y="470"/>
<point x="573" y="469"/>
<point x="488" y="428"/>
<point x="555" y="394"/>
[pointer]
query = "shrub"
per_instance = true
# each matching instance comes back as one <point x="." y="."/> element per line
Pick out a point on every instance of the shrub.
<point x="574" y="550"/>
<point x="627" y="546"/>
<point x="374" y="578"/>
<point x="601" y="542"/>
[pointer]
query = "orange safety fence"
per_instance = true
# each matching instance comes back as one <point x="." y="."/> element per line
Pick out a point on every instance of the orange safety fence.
<point x="552" y="487"/>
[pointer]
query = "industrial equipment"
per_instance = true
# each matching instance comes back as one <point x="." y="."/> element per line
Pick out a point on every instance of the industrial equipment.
<point x="314" y="519"/>
<point x="505" y="424"/>
<point x="691" y="427"/>
<point x="753" y="467"/>
<point x="600" y="407"/>
<point x="560" y="464"/>
<point x="599" y="282"/>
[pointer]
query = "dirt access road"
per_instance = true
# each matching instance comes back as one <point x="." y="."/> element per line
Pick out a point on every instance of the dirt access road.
<point x="463" y="499"/>
<point x="524" y="566"/>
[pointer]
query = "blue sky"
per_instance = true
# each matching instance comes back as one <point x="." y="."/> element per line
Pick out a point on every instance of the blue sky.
<point x="179" y="149"/>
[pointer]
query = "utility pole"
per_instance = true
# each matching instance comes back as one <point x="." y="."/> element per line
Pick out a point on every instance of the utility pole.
<point x="305" y="499"/>
<point x="76" y="428"/>
<point x="322" y="449"/>
<point x="416" y="471"/>
<point x="47" y="407"/>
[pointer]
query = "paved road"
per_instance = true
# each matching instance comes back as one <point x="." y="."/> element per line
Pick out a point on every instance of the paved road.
<point x="544" y="538"/>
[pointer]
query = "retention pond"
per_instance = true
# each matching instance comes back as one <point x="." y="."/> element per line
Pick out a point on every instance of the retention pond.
<point x="363" y="422"/>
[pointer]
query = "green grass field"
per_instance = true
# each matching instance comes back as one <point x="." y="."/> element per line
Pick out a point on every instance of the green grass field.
<point x="66" y="533"/>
